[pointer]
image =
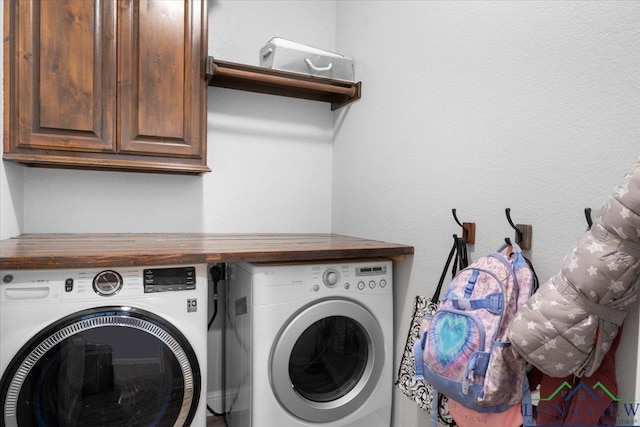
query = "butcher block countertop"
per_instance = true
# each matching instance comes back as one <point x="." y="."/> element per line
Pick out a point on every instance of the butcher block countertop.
<point x="48" y="251"/>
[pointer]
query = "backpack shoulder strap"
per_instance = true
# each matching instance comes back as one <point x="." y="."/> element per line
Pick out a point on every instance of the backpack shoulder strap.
<point x="454" y="251"/>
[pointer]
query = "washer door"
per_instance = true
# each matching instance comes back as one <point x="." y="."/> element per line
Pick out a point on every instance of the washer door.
<point x="109" y="366"/>
<point x="327" y="360"/>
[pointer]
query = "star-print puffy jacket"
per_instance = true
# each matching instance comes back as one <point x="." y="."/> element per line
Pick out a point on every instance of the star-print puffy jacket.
<point x="568" y="325"/>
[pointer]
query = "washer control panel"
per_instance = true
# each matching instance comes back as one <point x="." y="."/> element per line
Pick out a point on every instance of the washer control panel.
<point x="24" y="286"/>
<point x="105" y="283"/>
<point x="169" y="279"/>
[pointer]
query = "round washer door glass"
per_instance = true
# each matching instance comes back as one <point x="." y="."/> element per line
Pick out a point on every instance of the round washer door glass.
<point x="327" y="360"/>
<point x="109" y="367"/>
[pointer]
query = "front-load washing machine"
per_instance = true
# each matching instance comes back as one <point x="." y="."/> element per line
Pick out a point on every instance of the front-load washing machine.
<point x="104" y="347"/>
<point x="309" y="344"/>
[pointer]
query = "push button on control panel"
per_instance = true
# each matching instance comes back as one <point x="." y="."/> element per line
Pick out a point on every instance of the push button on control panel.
<point x="68" y="285"/>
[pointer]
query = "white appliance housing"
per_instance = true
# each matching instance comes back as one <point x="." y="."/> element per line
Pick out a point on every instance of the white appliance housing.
<point x="117" y="346"/>
<point x="309" y="344"/>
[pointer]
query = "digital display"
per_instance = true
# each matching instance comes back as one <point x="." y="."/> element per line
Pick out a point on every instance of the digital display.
<point x="367" y="271"/>
<point x="169" y="279"/>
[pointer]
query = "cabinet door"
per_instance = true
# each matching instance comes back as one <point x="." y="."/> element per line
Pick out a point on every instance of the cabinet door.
<point x="63" y="74"/>
<point x="161" y="87"/>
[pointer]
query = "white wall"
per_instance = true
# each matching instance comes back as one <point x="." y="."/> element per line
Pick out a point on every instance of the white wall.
<point x="481" y="106"/>
<point x="11" y="196"/>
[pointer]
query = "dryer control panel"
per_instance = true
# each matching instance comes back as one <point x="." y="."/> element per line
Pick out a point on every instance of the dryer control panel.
<point x="374" y="276"/>
<point x="331" y="276"/>
<point x="275" y="283"/>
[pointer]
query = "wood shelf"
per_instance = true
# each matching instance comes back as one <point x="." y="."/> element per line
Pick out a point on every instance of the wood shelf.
<point x="275" y="82"/>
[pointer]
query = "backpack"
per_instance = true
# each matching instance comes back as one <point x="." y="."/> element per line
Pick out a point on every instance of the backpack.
<point x="464" y="352"/>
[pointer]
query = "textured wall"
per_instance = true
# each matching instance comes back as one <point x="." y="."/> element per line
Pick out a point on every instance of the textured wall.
<point x="481" y="106"/>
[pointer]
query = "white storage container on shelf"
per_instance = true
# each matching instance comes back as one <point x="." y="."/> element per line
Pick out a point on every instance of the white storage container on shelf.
<point x="286" y="55"/>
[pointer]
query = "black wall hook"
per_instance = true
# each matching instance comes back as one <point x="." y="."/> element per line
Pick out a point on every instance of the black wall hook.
<point x="523" y="231"/>
<point x="587" y="215"/>
<point x="468" y="229"/>
<point x="455" y="217"/>
<point x="507" y="212"/>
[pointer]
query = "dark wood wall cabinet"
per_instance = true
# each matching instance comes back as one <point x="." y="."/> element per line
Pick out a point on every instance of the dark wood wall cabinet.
<point x="103" y="84"/>
<point x="232" y="75"/>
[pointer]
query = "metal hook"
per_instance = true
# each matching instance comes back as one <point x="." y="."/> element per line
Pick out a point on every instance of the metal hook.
<point x="468" y="229"/>
<point x="455" y="217"/>
<point x="507" y="211"/>
<point x="587" y="214"/>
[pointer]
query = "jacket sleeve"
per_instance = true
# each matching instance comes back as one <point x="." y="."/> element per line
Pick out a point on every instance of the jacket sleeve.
<point x="569" y="324"/>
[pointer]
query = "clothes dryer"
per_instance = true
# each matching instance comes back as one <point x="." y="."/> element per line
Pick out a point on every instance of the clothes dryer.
<point x="104" y="347"/>
<point x="309" y="344"/>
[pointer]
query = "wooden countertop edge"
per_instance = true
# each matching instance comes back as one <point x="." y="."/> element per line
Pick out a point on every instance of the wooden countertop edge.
<point x="54" y="262"/>
<point x="396" y="254"/>
<point x="36" y="250"/>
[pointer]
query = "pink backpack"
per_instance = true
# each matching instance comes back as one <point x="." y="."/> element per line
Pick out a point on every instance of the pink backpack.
<point x="464" y="351"/>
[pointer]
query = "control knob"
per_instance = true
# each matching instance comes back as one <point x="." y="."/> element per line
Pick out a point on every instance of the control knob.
<point x="107" y="283"/>
<point x="331" y="278"/>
